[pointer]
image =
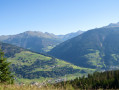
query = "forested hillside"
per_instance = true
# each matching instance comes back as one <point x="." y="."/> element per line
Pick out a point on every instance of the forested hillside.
<point x="97" y="80"/>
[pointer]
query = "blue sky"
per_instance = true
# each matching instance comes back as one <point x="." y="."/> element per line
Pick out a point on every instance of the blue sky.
<point x="56" y="16"/>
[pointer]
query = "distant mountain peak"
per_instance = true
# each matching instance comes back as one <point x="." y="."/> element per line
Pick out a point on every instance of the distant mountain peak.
<point x="79" y="31"/>
<point x="113" y="25"/>
<point x="70" y="35"/>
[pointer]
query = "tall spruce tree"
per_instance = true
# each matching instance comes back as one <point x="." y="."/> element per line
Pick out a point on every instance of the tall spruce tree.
<point x="5" y="74"/>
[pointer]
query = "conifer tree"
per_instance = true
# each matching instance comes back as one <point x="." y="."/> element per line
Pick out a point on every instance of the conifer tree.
<point x="5" y="74"/>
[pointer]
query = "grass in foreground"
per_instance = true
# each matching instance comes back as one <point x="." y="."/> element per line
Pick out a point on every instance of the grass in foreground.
<point x="29" y="87"/>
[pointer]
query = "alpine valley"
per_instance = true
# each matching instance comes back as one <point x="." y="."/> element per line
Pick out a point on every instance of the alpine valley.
<point x="37" y="56"/>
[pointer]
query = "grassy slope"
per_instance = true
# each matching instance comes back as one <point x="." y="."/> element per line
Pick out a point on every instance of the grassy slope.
<point x="27" y="58"/>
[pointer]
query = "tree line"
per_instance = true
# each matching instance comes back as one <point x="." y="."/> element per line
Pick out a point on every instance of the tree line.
<point x="97" y="80"/>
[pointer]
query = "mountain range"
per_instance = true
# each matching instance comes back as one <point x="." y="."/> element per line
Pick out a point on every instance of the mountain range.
<point x="37" y="41"/>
